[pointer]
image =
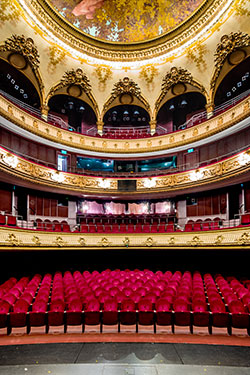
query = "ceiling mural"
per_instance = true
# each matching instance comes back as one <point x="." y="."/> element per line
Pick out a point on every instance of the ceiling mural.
<point x="125" y="21"/>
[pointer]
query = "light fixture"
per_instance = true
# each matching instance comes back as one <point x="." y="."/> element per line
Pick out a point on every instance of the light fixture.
<point x="10" y="160"/>
<point x="244" y="158"/>
<point x="149" y="183"/>
<point x="104" y="183"/>
<point x="57" y="177"/>
<point x="171" y="107"/>
<point x="196" y="175"/>
<point x="183" y="103"/>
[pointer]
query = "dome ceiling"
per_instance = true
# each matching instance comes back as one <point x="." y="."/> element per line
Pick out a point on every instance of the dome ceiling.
<point x="125" y="21"/>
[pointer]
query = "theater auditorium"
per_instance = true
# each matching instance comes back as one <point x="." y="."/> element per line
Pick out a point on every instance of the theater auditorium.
<point x="125" y="187"/>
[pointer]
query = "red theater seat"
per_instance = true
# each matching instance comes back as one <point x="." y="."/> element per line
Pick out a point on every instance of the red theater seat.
<point x="11" y="220"/>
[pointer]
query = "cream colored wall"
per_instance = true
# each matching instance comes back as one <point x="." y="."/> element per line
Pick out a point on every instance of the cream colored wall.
<point x="202" y="73"/>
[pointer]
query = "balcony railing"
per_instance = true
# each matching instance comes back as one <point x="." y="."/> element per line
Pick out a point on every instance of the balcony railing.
<point x="128" y="131"/>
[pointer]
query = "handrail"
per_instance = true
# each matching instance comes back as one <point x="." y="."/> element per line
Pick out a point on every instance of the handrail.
<point x="194" y="120"/>
<point x="155" y="172"/>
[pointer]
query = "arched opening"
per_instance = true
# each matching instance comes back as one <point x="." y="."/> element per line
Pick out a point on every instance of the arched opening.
<point x="176" y="112"/>
<point x="17" y="87"/>
<point x="127" y="121"/>
<point x="234" y="84"/>
<point x="74" y="112"/>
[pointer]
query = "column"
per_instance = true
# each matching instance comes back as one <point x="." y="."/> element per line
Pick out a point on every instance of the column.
<point x="210" y="109"/>
<point x="152" y="124"/>
<point x="99" y="125"/>
<point x="44" y="112"/>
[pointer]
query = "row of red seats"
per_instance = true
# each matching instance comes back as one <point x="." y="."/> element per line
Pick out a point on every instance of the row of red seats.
<point x="125" y="298"/>
<point x="47" y="225"/>
<point x="8" y="220"/>
<point x="126" y="228"/>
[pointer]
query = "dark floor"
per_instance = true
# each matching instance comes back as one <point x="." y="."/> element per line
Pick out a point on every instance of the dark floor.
<point x="124" y="358"/>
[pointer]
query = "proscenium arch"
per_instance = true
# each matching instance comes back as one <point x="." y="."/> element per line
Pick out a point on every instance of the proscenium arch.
<point x="15" y="83"/>
<point x="177" y="82"/>
<point x="21" y="64"/>
<point x="232" y="50"/>
<point x="77" y="87"/>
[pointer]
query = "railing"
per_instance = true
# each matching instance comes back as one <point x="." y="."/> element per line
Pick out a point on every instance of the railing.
<point x="126" y="132"/>
<point x="163" y="226"/>
<point x="52" y="119"/>
<point x="155" y="172"/>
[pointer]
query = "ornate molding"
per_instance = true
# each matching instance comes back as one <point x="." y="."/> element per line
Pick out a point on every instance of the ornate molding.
<point x="125" y="87"/>
<point x="72" y="78"/>
<point x="41" y="175"/>
<point x="57" y="26"/>
<point x="228" y="44"/>
<point x="174" y="77"/>
<point x="136" y="146"/>
<point x="13" y="239"/>
<point x="23" y="46"/>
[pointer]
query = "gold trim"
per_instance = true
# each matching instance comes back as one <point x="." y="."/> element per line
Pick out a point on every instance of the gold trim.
<point x="73" y="37"/>
<point x="41" y="175"/>
<point x="136" y="146"/>
<point x="14" y="239"/>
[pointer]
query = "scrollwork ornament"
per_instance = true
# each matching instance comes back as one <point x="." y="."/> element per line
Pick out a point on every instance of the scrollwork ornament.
<point x="244" y="239"/>
<point x="13" y="240"/>
<point x="23" y="46"/>
<point x="103" y="73"/>
<point x="126" y="242"/>
<point x="228" y="44"/>
<point x="149" y="242"/>
<point x="196" y="241"/>
<point x="105" y="242"/>
<point x="36" y="240"/>
<point x="73" y="77"/>
<point x="60" y="242"/>
<point x="82" y="241"/>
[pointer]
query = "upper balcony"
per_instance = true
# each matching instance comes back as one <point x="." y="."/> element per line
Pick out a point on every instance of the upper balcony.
<point x="128" y="122"/>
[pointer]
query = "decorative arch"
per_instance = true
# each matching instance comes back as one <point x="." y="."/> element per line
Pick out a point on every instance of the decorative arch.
<point x="231" y="51"/>
<point x="75" y="83"/>
<point x="177" y="82"/>
<point x="126" y="91"/>
<point x="23" y="55"/>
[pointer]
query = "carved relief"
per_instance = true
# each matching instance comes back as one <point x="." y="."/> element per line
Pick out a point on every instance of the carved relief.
<point x="23" y="46"/>
<point x="13" y="240"/>
<point x="228" y="44"/>
<point x="196" y="241"/>
<point x="75" y="80"/>
<point x="60" y="242"/>
<point x="176" y="80"/>
<point x="36" y="240"/>
<point x="125" y="89"/>
<point x="149" y="242"/>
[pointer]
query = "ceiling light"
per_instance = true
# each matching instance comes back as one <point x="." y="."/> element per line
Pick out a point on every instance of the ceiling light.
<point x="171" y="107"/>
<point x="21" y="91"/>
<point x="8" y="76"/>
<point x="13" y="81"/>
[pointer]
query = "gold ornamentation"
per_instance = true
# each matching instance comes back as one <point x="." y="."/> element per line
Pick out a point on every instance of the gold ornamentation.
<point x="126" y="242"/>
<point x="36" y="240"/>
<point x="172" y="241"/>
<point x="105" y="242"/>
<point x="72" y="78"/>
<point x="149" y="242"/>
<point x="148" y="74"/>
<point x="82" y="241"/>
<point x="219" y="240"/>
<point x="196" y="241"/>
<point x="8" y="11"/>
<point x="103" y="73"/>
<point x="125" y="89"/>
<point x="244" y="239"/>
<point x="139" y="51"/>
<point x="60" y="242"/>
<point x="56" y="56"/>
<point x="13" y="240"/>
<point x="241" y="8"/>
<point x="173" y="78"/>
<point x="23" y="46"/>
<point x="196" y="55"/>
<point x="228" y="44"/>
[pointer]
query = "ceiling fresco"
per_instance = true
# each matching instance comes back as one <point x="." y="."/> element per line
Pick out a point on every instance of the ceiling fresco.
<point x="125" y="21"/>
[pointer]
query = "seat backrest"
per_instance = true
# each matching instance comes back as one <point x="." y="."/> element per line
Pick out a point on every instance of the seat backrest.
<point x="128" y="304"/>
<point x="163" y="304"/>
<point x="145" y="305"/>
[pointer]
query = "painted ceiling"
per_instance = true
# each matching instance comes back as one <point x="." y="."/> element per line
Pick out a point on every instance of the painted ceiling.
<point x="125" y="21"/>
